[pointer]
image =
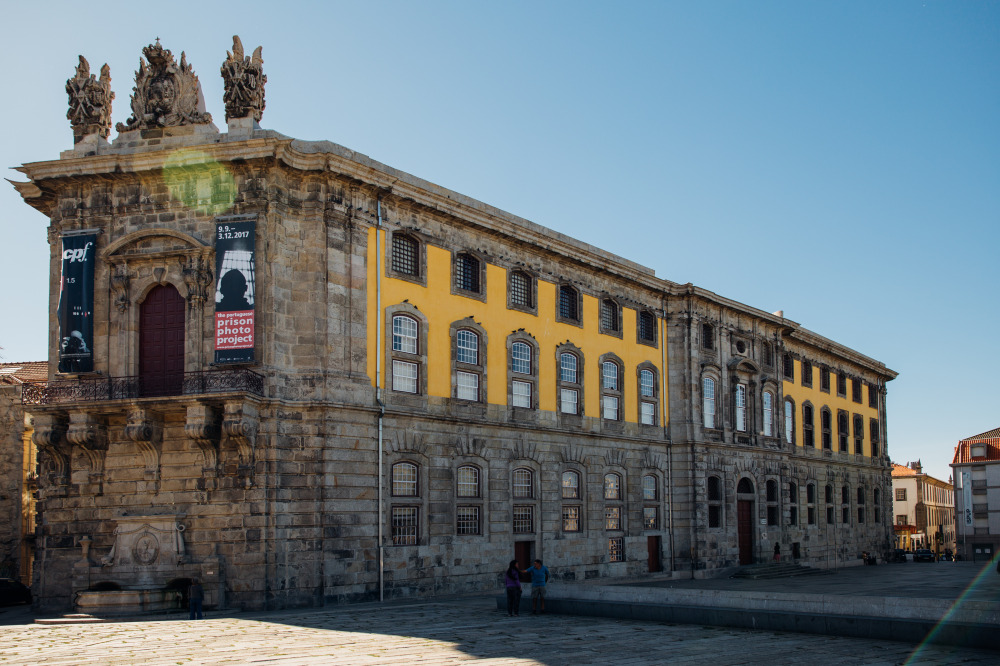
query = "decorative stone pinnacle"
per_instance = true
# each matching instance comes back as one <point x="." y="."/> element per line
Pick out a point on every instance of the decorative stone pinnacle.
<point x="244" y="81"/>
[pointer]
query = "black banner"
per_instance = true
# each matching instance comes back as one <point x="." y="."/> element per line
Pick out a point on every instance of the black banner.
<point x="76" y="303"/>
<point x="234" y="291"/>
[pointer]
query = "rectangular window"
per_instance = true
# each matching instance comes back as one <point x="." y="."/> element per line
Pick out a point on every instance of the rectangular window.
<point x="767" y="402"/>
<point x="467" y="520"/>
<point x="610" y="407"/>
<point x="571" y="518"/>
<point x="872" y="396"/>
<point x="714" y="515"/>
<point x="856" y="390"/>
<point x="650" y="518"/>
<point x="708" y="396"/>
<point x="568" y="401"/>
<point x="522" y="483"/>
<point x="468" y="386"/>
<point x="404" y="526"/>
<point x="520" y="289"/>
<point x="841" y="384"/>
<point x="404" y="376"/>
<point x="741" y="407"/>
<point x="612" y="517"/>
<point x="772" y="515"/>
<point x="901" y="519"/>
<point x="616" y="549"/>
<point x="521" y="394"/>
<point x="648" y="413"/>
<point x="807" y="374"/>
<point x="829" y="515"/>
<point x="524" y="520"/>
<point x="900" y="494"/>
<point x="404" y="255"/>
<point x="824" y="380"/>
<point x="845" y="515"/>
<point x="812" y="515"/>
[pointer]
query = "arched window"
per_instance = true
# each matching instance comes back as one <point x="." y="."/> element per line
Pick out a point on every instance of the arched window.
<point x="877" y="503"/>
<point x="826" y="423"/>
<point x="523" y="483"/>
<point x="520" y="358"/>
<point x="612" y="497"/>
<point x="708" y="401"/>
<point x="829" y="504"/>
<point x="468" y="347"/>
<point x="467" y="481"/>
<point x="745" y="486"/>
<point x="811" y="503"/>
<point x="651" y="509"/>
<point x="843" y="434"/>
<point x="407" y="354"/>
<point x="845" y="505"/>
<point x="861" y="505"/>
<point x="404" y="334"/>
<point x="808" y="436"/>
<point x="467" y="379"/>
<point x="571" y="508"/>
<point x="714" y="493"/>
<point x="404" y="479"/>
<point x="789" y="422"/>
<point x="859" y="434"/>
<point x="767" y="354"/>
<point x="610" y="391"/>
<point x="647" y="327"/>
<point x="767" y="402"/>
<point x="741" y="407"/>
<point x="609" y="375"/>
<point x="570" y="384"/>
<point x="787" y="367"/>
<point x="567" y="367"/>
<point x="522" y="375"/>
<point x="612" y="486"/>
<point x="707" y="336"/>
<point x="647" y="397"/>
<point x="570" y="485"/>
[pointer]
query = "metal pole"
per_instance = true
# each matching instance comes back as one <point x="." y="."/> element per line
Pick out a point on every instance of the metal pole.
<point x="378" y="393"/>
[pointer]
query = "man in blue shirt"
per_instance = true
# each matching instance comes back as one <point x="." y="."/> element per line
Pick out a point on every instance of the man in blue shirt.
<point x="539" y="576"/>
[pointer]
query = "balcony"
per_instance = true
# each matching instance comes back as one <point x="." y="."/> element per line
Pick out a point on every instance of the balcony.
<point x="97" y="389"/>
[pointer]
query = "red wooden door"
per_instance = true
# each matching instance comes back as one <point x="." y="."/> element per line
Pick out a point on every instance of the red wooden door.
<point x="161" y="342"/>
<point x="744" y="511"/>
<point x="522" y="553"/>
<point x="653" y="546"/>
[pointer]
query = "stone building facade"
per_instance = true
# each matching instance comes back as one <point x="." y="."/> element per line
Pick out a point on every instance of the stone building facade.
<point x="432" y="386"/>
<point x="976" y="478"/>
<point x="923" y="508"/>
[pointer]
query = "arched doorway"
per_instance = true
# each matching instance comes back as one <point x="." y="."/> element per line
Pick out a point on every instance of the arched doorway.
<point x="744" y="519"/>
<point x="161" y="342"/>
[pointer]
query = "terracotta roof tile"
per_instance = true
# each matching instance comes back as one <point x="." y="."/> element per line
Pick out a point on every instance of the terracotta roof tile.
<point x="990" y="440"/>
<point x="902" y="470"/>
<point x="28" y="371"/>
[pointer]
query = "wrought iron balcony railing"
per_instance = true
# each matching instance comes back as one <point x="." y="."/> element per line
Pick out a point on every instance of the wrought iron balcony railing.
<point x="93" y="389"/>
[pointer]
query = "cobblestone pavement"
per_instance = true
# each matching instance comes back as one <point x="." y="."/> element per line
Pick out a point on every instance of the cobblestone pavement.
<point x="441" y="631"/>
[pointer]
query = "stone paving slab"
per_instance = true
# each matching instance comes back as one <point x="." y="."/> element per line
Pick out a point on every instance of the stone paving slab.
<point x="441" y="631"/>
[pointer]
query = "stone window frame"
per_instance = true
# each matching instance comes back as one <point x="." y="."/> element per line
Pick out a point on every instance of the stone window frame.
<point x="806" y="373"/>
<point x="456" y="288"/>
<point x="641" y="313"/>
<point x="420" y="358"/>
<point x="826" y="428"/>
<point x="824" y="379"/>
<point x="874" y="428"/>
<point x="858" y="426"/>
<point x="787" y="367"/>
<point x="608" y="305"/>
<point x="841" y="384"/>
<point x="715" y="501"/>
<point x="766" y="354"/>
<point x="856" y="390"/>
<point x="845" y="504"/>
<point x="809" y="425"/>
<point x="479" y="369"/>
<point x="417" y="501"/>
<point x="793" y="504"/>
<point x="843" y="432"/>
<point x="619" y="393"/>
<point x="707" y="330"/>
<point x="654" y="400"/>
<point x="421" y="242"/>
<point x="713" y="373"/>
<point x="531" y="502"/>
<point x="479" y="501"/>
<point x="811" y="503"/>
<point x="872" y="396"/>
<point x="861" y="504"/>
<point x="614" y="504"/>
<point x="654" y="502"/>
<point x="579" y="502"/>
<point x="766" y="418"/>
<point x="523" y="337"/>
<point x="900" y="494"/>
<point x="744" y="409"/>
<point x="877" y="504"/>
<point x="772" y="501"/>
<point x="576" y="295"/>
<point x="831" y="516"/>
<point x="616" y="549"/>
<point x="565" y="417"/>
<point x="788" y="420"/>
<point x="532" y="291"/>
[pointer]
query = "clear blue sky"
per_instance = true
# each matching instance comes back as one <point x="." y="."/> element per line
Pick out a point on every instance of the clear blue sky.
<point x="838" y="160"/>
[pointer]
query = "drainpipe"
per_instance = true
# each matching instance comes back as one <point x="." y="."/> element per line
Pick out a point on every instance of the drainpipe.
<point x="664" y="398"/>
<point x="378" y="391"/>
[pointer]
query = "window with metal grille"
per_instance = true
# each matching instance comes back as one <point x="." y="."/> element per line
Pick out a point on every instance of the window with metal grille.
<point x="808" y="438"/>
<point x="647" y="413"/>
<point x="807" y="373"/>
<point x="524" y="519"/>
<point x="467" y="477"/>
<point x="856" y="390"/>
<point x="523" y="486"/>
<point x="708" y="401"/>
<point x="571" y="518"/>
<point x="609" y="375"/>
<point x="520" y="289"/>
<point x="570" y="485"/>
<point x="467" y="520"/>
<point x="610" y="318"/>
<point x="650" y="518"/>
<point x="741" y="407"/>
<point x="707" y="336"/>
<point x="843" y="434"/>
<point x="612" y="487"/>
<point x="616" y="549"/>
<point x="900" y="494"/>
<point x="569" y="307"/>
<point x="612" y="517"/>
<point x="841" y="384"/>
<point x="567" y="367"/>
<point x="404" y="526"/>
<point x="767" y="401"/>
<point x="826" y="428"/>
<point x="568" y="401"/>
<point x="405" y="255"/>
<point x="468" y="347"/>
<point x="787" y="367"/>
<point x="872" y="396"/>
<point x="609" y="404"/>
<point x="404" y="334"/>
<point x="647" y="327"/>
<point x="649" y="487"/>
<point x="520" y="358"/>
<point x="404" y="480"/>
<point x="521" y="394"/>
<point x="824" y="379"/>
<point x="767" y="353"/>
<point x="404" y="376"/>
<point x="468" y="386"/>
<point x="467" y="273"/>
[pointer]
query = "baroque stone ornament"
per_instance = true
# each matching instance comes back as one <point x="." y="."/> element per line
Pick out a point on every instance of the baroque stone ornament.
<point x="89" y="102"/>
<point x="165" y="94"/>
<point x="244" y="82"/>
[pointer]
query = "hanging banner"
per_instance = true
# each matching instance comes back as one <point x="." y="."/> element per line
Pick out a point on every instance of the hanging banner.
<point x="76" y="303"/>
<point x="967" y="498"/>
<point x="234" y="291"/>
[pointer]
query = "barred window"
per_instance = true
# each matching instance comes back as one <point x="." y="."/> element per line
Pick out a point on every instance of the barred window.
<point x="856" y="390"/>
<point x="521" y="394"/>
<point x="714" y="492"/>
<point x="567" y="367"/>
<point x="900" y="494"/>
<point x="649" y="487"/>
<point x="612" y="517"/>
<point x="520" y="289"/>
<point x="468" y="386"/>
<point x="842" y="431"/>
<point x="808" y="437"/>
<point x="793" y="504"/>
<point x="612" y="486"/>
<point x="523" y="486"/>
<point x="872" y="396"/>
<point x="707" y="336"/>
<point x="647" y="327"/>
<point x="468" y="481"/>
<point x="467" y="269"/>
<point x="787" y="367"/>
<point x="571" y="518"/>
<point x="524" y="519"/>
<point x="807" y="373"/>
<point x="405" y="255"/>
<point x="570" y="485"/>
<point x="467" y="520"/>
<point x="610" y="317"/>
<point x="650" y="517"/>
<point x="520" y="358"/>
<point x="404" y="376"/>
<point x="841" y="384"/>
<point x="404" y="480"/>
<point x="767" y="354"/>
<point x="468" y="347"/>
<point x="826" y="423"/>
<point x="616" y="549"/>
<point x="772" y="502"/>
<point x="824" y="379"/>
<point x="404" y="334"/>
<point x="569" y="307"/>
<point x="404" y="526"/>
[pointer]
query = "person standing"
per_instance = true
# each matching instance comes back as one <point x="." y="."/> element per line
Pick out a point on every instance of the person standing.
<point x="196" y="595"/>
<point x="512" y="580"/>
<point x="539" y="577"/>
<point x="777" y="552"/>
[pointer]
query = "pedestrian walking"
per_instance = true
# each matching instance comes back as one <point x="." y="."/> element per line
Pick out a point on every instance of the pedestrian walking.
<point x="539" y="577"/>
<point x="777" y="552"/>
<point x="512" y="580"/>
<point x="196" y="595"/>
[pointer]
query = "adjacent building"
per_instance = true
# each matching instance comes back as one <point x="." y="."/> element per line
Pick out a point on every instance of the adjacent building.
<point x="976" y="475"/>
<point x="304" y="376"/>
<point x="924" y="509"/>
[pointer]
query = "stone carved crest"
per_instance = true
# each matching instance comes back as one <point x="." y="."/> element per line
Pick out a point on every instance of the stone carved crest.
<point x="244" y="82"/>
<point x="165" y="94"/>
<point x="89" y="102"/>
<point x="147" y="540"/>
<point x="146" y="549"/>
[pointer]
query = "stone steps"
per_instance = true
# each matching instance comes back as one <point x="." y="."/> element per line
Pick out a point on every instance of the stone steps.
<point x="766" y="571"/>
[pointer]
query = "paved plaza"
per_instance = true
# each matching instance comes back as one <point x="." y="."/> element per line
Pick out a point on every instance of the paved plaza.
<point x="442" y="631"/>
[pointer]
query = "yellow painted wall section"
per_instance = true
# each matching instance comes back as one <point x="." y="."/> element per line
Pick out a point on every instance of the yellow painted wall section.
<point x="442" y="308"/>
<point x="833" y="402"/>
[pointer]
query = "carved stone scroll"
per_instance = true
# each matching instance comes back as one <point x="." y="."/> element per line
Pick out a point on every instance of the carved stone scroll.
<point x="120" y="282"/>
<point x="91" y="435"/>
<point x="49" y="437"/>
<point x="239" y="427"/>
<point x="165" y="94"/>
<point x="244" y="80"/>
<point x="203" y="425"/>
<point x="89" y="102"/>
<point x="197" y="279"/>
<point x="145" y="429"/>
